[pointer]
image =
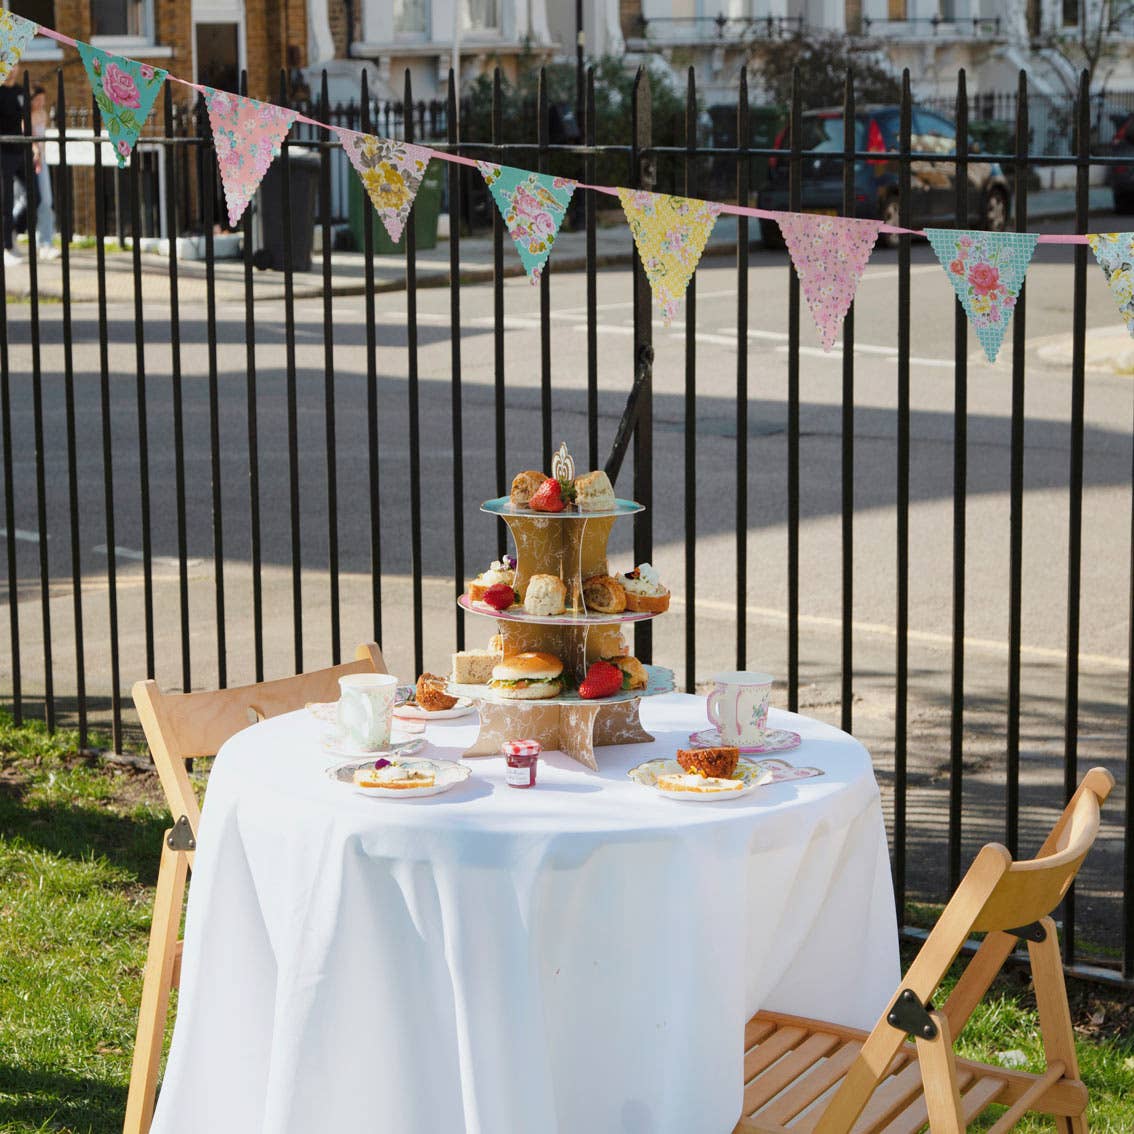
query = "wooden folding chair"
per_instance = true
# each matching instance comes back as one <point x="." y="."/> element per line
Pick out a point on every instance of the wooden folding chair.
<point x="808" y="1077"/>
<point x="179" y="727"/>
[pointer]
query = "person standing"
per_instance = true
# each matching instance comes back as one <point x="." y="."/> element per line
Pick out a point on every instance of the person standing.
<point x="44" y="210"/>
<point x="11" y="159"/>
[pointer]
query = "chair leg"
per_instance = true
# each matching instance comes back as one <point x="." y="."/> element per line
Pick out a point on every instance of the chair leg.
<point x="157" y="983"/>
<point x="939" y="1079"/>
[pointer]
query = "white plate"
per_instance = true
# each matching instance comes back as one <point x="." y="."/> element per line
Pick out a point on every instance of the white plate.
<point x="749" y="772"/>
<point x="415" y="713"/>
<point x="336" y="746"/>
<point x="446" y="774"/>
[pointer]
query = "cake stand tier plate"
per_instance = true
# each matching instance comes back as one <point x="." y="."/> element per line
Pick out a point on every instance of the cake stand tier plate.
<point x="503" y="506"/>
<point x="568" y="618"/>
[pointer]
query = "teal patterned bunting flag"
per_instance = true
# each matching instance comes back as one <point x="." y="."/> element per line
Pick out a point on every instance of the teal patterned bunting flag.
<point x="986" y="270"/>
<point x="1115" y="254"/>
<point x="533" y="206"/>
<point x="15" y="34"/>
<point x="124" y="91"/>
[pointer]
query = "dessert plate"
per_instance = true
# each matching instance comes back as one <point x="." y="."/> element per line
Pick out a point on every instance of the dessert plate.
<point x="337" y="746"/>
<point x="775" y="740"/>
<point x="415" y="713"/>
<point x="446" y="774"/>
<point x="750" y="774"/>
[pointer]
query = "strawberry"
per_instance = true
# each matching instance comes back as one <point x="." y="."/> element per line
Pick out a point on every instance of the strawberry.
<point x="500" y="596"/>
<point x="548" y="497"/>
<point x="602" y="680"/>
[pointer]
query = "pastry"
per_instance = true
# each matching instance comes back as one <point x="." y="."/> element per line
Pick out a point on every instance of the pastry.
<point x="394" y="775"/>
<point x="717" y="762"/>
<point x="594" y="492"/>
<point x="604" y="595"/>
<point x="499" y="572"/>
<point x="528" y="676"/>
<point x="430" y="693"/>
<point x="474" y="667"/>
<point x="698" y="784"/>
<point x="546" y="595"/>
<point x="634" y="675"/>
<point x="644" y="590"/>
<point x="523" y="485"/>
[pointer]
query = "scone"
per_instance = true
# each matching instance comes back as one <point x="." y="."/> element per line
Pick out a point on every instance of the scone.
<point x="523" y="485"/>
<point x="430" y="694"/>
<point x="644" y="590"/>
<point x="718" y="762"/>
<point x="474" y="667"/>
<point x="604" y="595"/>
<point x="594" y="492"/>
<point x="499" y="572"/>
<point x="546" y="595"/>
<point x="697" y="784"/>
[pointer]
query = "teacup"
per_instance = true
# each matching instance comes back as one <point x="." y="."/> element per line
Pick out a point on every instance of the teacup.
<point x="738" y="706"/>
<point x="366" y="706"/>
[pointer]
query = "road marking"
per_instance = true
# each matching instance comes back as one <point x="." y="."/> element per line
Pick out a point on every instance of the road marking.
<point x="157" y="560"/>
<point x="926" y="637"/>
<point x="886" y="352"/>
<point x="893" y="273"/>
<point x="25" y="536"/>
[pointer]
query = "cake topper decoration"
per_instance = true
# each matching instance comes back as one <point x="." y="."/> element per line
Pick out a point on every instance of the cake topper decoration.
<point x="563" y="464"/>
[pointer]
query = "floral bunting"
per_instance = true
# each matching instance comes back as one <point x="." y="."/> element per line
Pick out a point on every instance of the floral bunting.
<point x="986" y="270"/>
<point x="533" y="206"/>
<point x="1115" y="254"/>
<point x="124" y="91"/>
<point x="391" y="172"/>
<point x="15" y="35"/>
<point x="670" y="234"/>
<point x="830" y="255"/>
<point x="247" y="135"/>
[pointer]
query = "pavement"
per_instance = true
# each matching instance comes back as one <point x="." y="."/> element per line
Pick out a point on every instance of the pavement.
<point x="348" y="270"/>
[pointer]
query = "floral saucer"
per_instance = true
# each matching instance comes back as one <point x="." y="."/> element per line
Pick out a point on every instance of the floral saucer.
<point x="775" y="740"/>
<point x="446" y="774"/>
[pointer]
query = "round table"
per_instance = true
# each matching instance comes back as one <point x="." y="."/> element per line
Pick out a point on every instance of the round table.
<point x="578" y="957"/>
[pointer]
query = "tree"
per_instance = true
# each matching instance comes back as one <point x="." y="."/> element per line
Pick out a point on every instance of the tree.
<point x="1087" y="41"/>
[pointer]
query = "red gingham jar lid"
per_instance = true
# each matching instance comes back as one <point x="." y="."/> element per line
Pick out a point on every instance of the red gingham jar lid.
<point x="522" y="748"/>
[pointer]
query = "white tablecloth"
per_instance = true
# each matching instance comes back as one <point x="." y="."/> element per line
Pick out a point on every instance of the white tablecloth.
<point x="578" y="957"/>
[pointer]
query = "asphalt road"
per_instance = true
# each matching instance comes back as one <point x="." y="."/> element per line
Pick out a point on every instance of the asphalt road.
<point x="1106" y="553"/>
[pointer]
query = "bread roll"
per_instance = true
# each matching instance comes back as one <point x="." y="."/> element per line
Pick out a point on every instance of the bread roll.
<point x="546" y="595"/>
<point x="523" y="485"/>
<point x="604" y="595"/>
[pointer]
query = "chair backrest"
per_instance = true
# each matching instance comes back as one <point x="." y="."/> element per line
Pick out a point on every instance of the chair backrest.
<point x="182" y="726"/>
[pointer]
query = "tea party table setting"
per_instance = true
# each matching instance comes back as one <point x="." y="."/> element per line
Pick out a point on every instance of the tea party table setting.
<point x="578" y="954"/>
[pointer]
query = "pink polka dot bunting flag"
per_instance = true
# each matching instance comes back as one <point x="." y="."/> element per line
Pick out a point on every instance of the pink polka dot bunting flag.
<point x="247" y="135"/>
<point x="830" y="255"/>
<point x="986" y="270"/>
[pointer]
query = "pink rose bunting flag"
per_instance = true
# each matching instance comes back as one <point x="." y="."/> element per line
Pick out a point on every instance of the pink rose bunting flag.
<point x="124" y="91"/>
<point x="247" y="135"/>
<point x="986" y="270"/>
<point x="391" y="172"/>
<point x="830" y="255"/>
<point x="670" y="234"/>
<point x="15" y="35"/>
<point x="1115" y="254"/>
<point x="533" y="206"/>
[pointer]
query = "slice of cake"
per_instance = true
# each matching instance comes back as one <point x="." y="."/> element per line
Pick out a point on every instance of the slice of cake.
<point x="695" y="783"/>
<point x="393" y="775"/>
<point x="474" y="667"/>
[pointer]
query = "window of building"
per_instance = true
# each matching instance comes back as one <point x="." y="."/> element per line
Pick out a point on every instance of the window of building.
<point x="121" y="19"/>
<point x="484" y="15"/>
<point x="40" y="11"/>
<point x="1070" y="13"/>
<point x="411" y="17"/>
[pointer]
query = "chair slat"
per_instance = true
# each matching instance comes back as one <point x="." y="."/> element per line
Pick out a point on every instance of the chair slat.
<point x="916" y="1114"/>
<point x="777" y="1045"/>
<point x="979" y="1096"/>
<point x="888" y="1100"/>
<point x="783" y="1072"/>
<point x="820" y="1078"/>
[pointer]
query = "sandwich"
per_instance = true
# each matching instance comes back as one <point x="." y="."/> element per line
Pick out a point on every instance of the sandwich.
<point x="594" y="492"/>
<point x="524" y="485"/>
<point x="528" y="677"/>
<point x="545" y="595"/>
<point x="604" y="595"/>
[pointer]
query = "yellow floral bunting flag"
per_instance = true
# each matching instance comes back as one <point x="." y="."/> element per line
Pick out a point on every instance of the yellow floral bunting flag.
<point x="670" y="234"/>
<point x="391" y="171"/>
<point x="1115" y="254"/>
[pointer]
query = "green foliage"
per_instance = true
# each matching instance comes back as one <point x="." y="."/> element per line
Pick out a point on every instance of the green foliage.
<point x="823" y="62"/>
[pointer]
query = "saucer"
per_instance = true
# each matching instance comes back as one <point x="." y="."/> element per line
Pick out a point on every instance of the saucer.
<point x="447" y="774"/>
<point x="775" y="740"/>
<point x="336" y="746"/>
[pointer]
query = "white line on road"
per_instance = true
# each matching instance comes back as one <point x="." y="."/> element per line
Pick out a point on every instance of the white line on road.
<point x="157" y="560"/>
<point x="886" y="352"/>
<point x="26" y="536"/>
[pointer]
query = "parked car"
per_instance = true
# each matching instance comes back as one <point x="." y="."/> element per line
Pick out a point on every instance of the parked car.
<point x="1121" y="177"/>
<point x="932" y="183"/>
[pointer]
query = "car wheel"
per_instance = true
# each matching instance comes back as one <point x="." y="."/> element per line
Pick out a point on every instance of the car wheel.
<point x="770" y="234"/>
<point x="891" y="214"/>
<point x="996" y="210"/>
<point x="1123" y="202"/>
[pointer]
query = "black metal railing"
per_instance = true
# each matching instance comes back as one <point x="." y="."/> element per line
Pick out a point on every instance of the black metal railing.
<point x="212" y="475"/>
<point x="719" y="28"/>
<point x="933" y="25"/>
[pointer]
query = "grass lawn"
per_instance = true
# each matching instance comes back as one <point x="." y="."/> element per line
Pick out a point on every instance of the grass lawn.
<point x="79" y="844"/>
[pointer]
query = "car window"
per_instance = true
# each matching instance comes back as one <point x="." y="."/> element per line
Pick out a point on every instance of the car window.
<point x="933" y="134"/>
<point x="826" y="134"/>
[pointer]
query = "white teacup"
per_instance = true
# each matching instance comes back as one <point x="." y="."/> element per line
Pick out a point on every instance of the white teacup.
<point x="366" y="706"/>
<point x="738" y="706"/>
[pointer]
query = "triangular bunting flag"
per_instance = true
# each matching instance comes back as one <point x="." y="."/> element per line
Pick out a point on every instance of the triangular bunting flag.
<point x="247" y="135"/>
<point x="125" y="91"/>
<point x="391" y="172"/>
<point x="533" y="206"/>
<point x="829" y="254"/>
<point x="15" y="34"/>
<point x="986" y="270"/>
<point x="1115" y="254"/>
<point x="670" y="234"/>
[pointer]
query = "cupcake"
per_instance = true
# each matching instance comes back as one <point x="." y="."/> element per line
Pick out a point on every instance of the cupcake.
<point x="719" y="763"/>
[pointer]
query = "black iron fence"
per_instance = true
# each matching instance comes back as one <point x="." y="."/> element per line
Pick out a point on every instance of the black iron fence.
<point x="295" y="468"/>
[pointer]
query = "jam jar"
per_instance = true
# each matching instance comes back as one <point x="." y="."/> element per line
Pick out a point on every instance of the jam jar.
<point x="522" y="756"/>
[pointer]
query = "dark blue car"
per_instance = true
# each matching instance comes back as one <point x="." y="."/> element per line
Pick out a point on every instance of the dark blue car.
<point x="932" y="183"/>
